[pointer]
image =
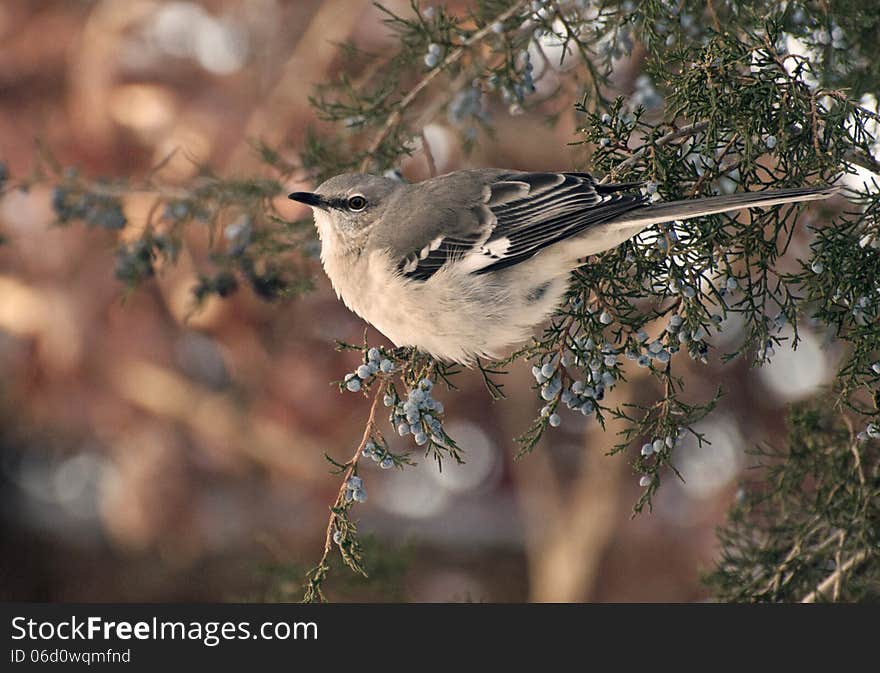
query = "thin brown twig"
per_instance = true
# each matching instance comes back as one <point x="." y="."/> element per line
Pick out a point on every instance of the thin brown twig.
<point x="453" y="57"/>
<point x="868" y="113"/>
<point x="836" y="595"/>
<point x="352" y="465"/>
<point x="429" y="155"/>
<point x="858" y="460"/>
<point x="571" y="34"/>
<point x="829" y="581"/>
<point x="548" y="66"/>
<point x="118" y="191"/>
<point x="164" y="161"/>
<point x="432" y="107"/>
<point x="715" y="22"/>
<point x="718" y="158"/>
<point x="814" y="123"/>
<point x="854" y="449"/>
<point x="777" y="580"/>
<point x="683" y="132"/>
<point x="861" y="159"/>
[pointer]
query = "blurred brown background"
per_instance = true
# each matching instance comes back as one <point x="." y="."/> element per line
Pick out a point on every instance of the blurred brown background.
<point x="148" y="456"/>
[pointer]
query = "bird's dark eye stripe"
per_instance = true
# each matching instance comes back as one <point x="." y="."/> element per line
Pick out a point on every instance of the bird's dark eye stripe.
<point x="338" y="203"/>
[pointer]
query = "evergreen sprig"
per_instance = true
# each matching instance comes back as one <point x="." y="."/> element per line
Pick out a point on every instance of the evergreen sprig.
<point x="809" y="529"/>
<point x="723" y="106"/>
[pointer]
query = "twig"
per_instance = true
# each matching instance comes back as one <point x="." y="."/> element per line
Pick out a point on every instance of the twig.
<point x="164" y="161"/>
<point x="715" y="22"/>
<point x="453" y="57"/>
<point x="719" y="157"/>
<point x="836" y="595"/>
<point x="814" y="123"/>
<point x="548" y="67"/>
<point x="429" y="156"/>
<point x="118" y="191"/>
<point x="352" y="465"/>
<point x="432" y="107"/>
<point x="585" y="57"/>
<point x="777" y="580"/>
<point x="683" y="132"/>
<point x="829" y="581"/>
<point x="854" y="449"/>
<point x="863" y="160"/>
<point x="867" y="112"/>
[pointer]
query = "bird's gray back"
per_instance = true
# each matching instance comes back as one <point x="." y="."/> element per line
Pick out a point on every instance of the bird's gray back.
<point x="448" y="205"/>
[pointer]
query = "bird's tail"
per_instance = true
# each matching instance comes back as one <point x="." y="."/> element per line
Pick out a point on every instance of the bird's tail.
<point x="684" y="210"/>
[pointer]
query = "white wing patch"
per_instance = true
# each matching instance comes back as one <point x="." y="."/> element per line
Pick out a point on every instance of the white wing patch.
<point x="484" y="256"/>
<point x="480" y="255"/>
<point x="431" y="247"/>
<point x="497" y="248"/>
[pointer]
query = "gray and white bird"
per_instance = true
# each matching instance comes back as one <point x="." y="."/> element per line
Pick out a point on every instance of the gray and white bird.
<point x="468" y="263"/>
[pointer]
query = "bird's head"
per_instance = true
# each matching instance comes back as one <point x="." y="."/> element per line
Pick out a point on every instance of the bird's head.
<point x="347" y="205"/>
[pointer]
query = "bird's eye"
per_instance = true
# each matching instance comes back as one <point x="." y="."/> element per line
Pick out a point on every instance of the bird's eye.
<point x="357" y="203"/>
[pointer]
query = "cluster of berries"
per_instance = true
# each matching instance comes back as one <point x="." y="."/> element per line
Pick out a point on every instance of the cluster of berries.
<point x="655" y="447"/>
<point x="418" y="414"/>
<point x="599" y="364"/>
<point x="375" y="363"/>
<point x="378" y="455"/>
<point x="354" y="490"/>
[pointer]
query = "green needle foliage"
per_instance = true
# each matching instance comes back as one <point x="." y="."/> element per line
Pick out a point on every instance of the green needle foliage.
<point x="734" y="96"/>
<point x="807" y="531"/>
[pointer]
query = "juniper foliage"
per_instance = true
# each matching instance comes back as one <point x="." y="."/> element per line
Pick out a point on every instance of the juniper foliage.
<point x="733" y="96"/>
<point x="807" y="531"/>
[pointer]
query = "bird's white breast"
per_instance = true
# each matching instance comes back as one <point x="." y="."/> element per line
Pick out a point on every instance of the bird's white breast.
<point x="453" y="315"/>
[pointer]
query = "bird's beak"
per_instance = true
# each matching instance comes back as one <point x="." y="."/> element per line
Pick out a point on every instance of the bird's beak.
<point x="310" y="199"/>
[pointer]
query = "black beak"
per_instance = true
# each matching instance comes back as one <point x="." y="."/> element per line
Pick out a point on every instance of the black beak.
<point x="309" y="198"/>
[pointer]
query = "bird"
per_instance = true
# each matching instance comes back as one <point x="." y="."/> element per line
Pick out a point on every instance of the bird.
<point x="465" y="265"/>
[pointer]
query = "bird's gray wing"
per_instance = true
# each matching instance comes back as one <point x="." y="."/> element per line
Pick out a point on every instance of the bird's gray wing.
<point x="504" y="218"/>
